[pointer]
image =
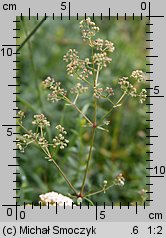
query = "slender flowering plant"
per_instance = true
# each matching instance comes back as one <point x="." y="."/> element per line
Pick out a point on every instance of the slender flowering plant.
<point x="87" y="75"/>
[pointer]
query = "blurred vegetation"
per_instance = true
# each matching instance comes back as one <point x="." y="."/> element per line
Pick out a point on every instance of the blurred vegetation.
<point x="121" y="150"/>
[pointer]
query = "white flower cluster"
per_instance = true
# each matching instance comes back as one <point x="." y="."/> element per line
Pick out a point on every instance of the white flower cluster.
<point x="89" y="28"/>
<point x="143" y="95"/>
<point x="54" y="199"/>
<point x="25" y="140"/>
<point x="132" y="89"/>
<point x="60" y="140"/>
<point x="57" y="93"/>
<point x="20" y="115"/>
<point x="43" y="142"/>
<point x="77" y="66"/>
<point x="98" y="92"/>
<point x="72" y="58"/>
<point x="101" y="59"/>
<point x="119" y="180"/>
<point x="104" y="45"/>
<point x="138" y="75"/>
<point x="40" y="120"/>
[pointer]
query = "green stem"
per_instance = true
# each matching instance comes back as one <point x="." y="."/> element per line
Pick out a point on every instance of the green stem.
<point x="31" y="34"/>
<point x="99" y="191"/>
<point x="74" y="105"/>
<point x="94" y="126"/>
<point x="106" y="97"/>
<point x="64" y="176"/>
<point x="89" y="158"/>
<point x="87" y="199"/>
<point x="115" y="105"/>
<point x="120" y="99"/>
<point x="107" y="113"/>
<point x="95" y="99"/>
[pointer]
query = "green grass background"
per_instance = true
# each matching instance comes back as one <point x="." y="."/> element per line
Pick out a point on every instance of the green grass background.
<point x="121" y="150"/>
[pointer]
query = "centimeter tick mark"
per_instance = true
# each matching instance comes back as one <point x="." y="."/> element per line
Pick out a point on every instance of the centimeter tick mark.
<point x="152" y="136"/>
<point x="17" y="197"/>
<point x="155" y="176"/>
<point x="144" y="205"/>
<point x="155" y="96"/>
<point x="56" y="211"/>
<point x="152" y="56"/>
<point x="10" y="45"/>
<point x="29" y="14"/>
<point x="16" y="181"/>
<point x="149" y="64"/>
<point x="136" y="207"/>
<point x="69" y="10"/>
<point x="96" y="211"/>
<point x="14" y="85"/>
<point x="10" y="125"/>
